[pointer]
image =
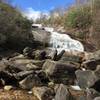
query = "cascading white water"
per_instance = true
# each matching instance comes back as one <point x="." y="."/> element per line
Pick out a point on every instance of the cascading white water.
<point x="64" y="42"/>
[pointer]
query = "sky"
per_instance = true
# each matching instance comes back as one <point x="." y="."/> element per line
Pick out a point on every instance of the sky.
<point x="33" y="8"/>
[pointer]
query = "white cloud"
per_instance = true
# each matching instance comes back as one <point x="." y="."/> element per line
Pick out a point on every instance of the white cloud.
<point x="30" y="13"/>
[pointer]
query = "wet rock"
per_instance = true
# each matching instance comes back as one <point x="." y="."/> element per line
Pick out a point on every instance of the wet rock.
<point x="86" y="78"/>
<point x="62" y="93"/>
<point x="59" y="72"/>
<point x="29" y="82"/>
<point x="43" y="93"/>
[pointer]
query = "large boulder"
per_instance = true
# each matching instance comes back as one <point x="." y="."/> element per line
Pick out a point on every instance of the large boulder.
<point x="86" y="78"/>
<point x="26" y="64"/>
<point x="30" y="81"/>
<point x="60" y="72"/>
<point x="62" y="93"/>
<point x="73" y="57"/>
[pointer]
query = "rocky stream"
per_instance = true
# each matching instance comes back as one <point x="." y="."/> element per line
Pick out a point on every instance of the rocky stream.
<point x="64" y="72"/>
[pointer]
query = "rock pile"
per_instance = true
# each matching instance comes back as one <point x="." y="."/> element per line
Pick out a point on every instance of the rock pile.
<point x="52" y="76"/>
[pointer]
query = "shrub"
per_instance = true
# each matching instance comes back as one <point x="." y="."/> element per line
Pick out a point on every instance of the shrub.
<point x="13" y="26"/>
<point x="78" y="18"/>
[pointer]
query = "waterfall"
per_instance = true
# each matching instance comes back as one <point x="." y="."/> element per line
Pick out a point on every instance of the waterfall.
<point x="63" y="42"/>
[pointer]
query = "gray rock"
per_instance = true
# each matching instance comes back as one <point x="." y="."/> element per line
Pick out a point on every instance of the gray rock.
<point x="91" y="64"/>
<point x="86" y="78"/>
<point x="97" y="71"/>
<point x="29" y="82"/>
<point x="62" y="93"/>
<point x="43" y="93"/>
<point x="25" y="64"/>
<point x="59" y="72"/>
<point x="21" y="75"/>
<point x="91" y="94"/>
<point x="73" y="57"/>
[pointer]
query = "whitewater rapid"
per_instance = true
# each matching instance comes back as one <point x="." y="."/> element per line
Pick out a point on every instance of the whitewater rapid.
<point x="61" y="42"/>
